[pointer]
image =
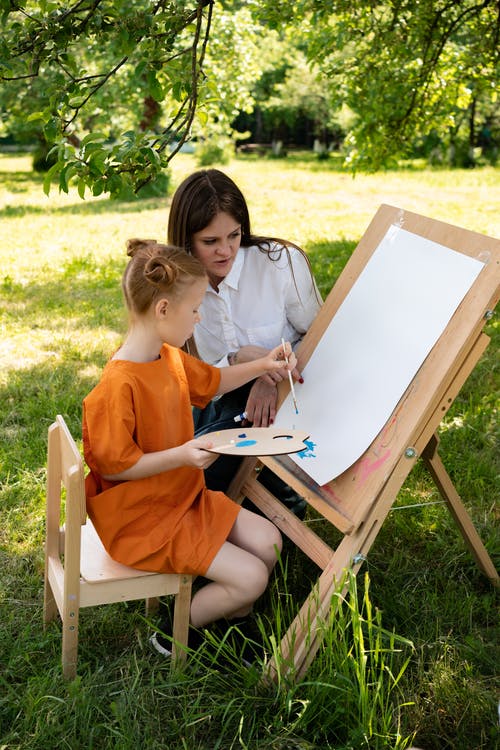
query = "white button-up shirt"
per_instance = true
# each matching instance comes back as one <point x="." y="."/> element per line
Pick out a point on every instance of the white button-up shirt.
<point x="259" y="302"/>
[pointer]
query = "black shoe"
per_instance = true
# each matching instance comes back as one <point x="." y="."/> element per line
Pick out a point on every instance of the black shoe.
<point x="236" y="640"/>
<point x="296" y="504"/>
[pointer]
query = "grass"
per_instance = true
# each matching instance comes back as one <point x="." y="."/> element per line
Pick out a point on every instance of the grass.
<point x="412" y="653"/>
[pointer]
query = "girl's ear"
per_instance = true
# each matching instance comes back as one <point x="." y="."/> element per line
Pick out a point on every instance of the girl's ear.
<point x="161" y="307"/>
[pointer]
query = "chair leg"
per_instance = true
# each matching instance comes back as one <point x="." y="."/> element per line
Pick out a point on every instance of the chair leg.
<point x="152" y="605"/>
<point x="70" y="644"/>
<point x="182" y="610"/>
<point x="49" y="603"/>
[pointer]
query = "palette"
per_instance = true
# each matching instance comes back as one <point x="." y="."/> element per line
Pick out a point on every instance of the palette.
<point x="257" y="441"/>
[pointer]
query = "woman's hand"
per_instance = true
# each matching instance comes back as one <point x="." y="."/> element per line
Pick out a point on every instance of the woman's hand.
<point x="263" y="396"/>
<point x="261" y="403"/>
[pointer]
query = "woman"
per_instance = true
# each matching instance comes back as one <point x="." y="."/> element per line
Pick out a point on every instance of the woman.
<point x="260" y="290"/>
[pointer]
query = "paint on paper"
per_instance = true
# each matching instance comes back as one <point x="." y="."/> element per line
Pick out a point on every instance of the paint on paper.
<point x="308" y="451"/>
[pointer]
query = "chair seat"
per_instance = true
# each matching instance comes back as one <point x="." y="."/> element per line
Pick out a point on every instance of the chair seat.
<point x="97" y="566"/>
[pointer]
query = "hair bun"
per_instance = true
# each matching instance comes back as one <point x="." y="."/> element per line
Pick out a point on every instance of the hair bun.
<point x="134" y="245"/>
<point x="160" y="271"/>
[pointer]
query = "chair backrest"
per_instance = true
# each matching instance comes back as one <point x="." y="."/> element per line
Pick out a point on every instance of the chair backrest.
<point x="65" y="483"/>
<point x="72" y="471"/>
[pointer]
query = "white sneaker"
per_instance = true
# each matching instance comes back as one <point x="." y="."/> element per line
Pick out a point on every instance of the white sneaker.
<point x="161" y="644"/>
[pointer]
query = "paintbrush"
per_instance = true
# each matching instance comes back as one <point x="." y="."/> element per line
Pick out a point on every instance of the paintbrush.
<point x="290" y="378"/>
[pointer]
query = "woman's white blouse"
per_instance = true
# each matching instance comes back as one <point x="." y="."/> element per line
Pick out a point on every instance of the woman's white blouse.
<point x="259" y="302"/>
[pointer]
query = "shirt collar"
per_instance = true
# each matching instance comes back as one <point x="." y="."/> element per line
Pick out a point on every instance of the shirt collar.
<point x="233" y="278"/>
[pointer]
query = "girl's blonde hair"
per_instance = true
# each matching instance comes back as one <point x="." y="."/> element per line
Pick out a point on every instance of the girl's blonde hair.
<point x="156" y="271"/>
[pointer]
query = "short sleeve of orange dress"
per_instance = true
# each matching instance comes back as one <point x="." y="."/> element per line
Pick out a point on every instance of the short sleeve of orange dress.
<point x="168" y="522"/>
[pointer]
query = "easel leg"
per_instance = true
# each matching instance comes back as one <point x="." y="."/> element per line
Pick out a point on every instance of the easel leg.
<point x="449" y="494"/>
<point x="303" y="638"/>
<point x="300" y="644"/>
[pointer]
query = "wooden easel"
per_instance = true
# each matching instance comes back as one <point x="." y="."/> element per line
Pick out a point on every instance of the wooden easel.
<point x="358" y="501"/>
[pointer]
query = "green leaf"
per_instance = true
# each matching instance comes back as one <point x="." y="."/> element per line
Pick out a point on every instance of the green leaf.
<point x="155" y="87"/>
<point x="34" y="116"/>
<point x="46" y="183"/>
<point x="178" y="90"/>
<point x="91" y="137"/>
<point x="77" y="101"/>
<point x="81" y="188"/>
<point x="97" y="163"/>
<point x="66" y="174"/>
<point x="51" y="129"/>
<point x="92" y="148"/>
<point x="98" y="187"/>
<point x="202" y="116"/>
<point x="49" y="175"/>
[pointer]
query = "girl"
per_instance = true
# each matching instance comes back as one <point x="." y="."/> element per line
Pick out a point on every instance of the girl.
<point x="146" y="493"/>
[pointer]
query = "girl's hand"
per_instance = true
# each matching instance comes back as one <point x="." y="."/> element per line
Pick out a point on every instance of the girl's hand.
<point x="249" y="352"/>
<point x="281" y="359"/>
<point x="278" y="365"/>
<point x="195" y="453"/>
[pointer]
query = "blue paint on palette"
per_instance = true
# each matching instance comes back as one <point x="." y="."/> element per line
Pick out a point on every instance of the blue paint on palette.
<point x="308" y="451"/>
<point x="245" y="443"/>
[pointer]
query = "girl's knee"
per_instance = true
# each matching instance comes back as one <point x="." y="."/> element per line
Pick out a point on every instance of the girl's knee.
<point x="273" y="542"/>
<point x="257" y="580"/>
<point x="258" y="535"/>
<point x="277" y="541"/>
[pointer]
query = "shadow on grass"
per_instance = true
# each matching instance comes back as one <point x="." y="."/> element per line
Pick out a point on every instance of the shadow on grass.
<point x="25" y="180"/>
<point x="69" y="323"/>
<point x="32" y="182"/>
<point x="85" y="208"/>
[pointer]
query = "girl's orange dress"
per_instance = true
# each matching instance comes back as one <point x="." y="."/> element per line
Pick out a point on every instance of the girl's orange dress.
<point x="169" y="522"/>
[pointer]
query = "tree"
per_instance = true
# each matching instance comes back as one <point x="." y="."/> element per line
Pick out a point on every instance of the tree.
<point x="291" y="99"/>
<point x="404" y="68"/>
<point x="93" y="75"/>
<point x="234" y="60"/>
<point x="115" y="87"/>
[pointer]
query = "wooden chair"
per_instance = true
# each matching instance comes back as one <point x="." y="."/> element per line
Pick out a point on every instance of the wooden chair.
<point x="78" y="570"/>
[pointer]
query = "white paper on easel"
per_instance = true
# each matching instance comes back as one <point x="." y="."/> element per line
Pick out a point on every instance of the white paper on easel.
<point x="380" y="336"/>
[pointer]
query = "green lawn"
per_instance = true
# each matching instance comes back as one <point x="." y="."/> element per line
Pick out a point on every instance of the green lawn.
<point x="424" y="612"/>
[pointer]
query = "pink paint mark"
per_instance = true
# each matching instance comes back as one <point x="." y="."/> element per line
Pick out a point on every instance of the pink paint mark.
<point x="389" y="433"/>
<point x="368" y="468"/>
<point x="329" y="491"/>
